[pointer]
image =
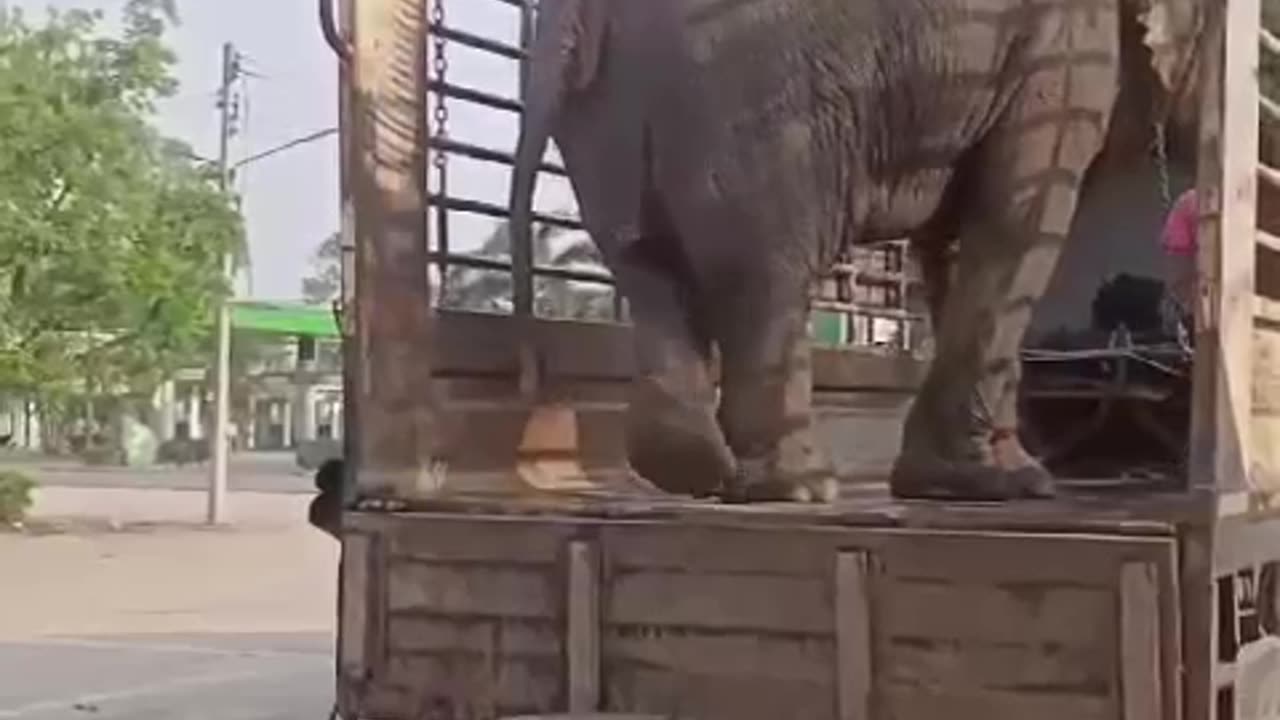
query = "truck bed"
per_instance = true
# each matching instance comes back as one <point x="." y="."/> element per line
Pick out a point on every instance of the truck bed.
<point x="492" y="607"/>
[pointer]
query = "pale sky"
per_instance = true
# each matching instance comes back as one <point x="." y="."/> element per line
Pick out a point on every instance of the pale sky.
<point x="291" y="200"/>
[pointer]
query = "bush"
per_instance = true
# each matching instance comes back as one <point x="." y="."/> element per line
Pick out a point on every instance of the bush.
<point x="15" y="496"/>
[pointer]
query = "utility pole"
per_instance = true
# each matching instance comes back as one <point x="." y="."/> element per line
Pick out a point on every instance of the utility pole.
<point x="217" y="498"/>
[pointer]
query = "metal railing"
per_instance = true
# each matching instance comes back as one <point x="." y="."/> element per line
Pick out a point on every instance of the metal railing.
<point x="1269" y="175"/>
<point x="870" y="291"/>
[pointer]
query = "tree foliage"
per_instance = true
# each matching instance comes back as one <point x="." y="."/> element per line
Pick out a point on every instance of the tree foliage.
<point x="111" y="240"/>
<point x="470" y="288"/>
<point x="325" y="281"/>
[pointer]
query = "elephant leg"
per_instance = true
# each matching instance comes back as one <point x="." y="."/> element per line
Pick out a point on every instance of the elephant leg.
<point x="934" y="256"/>
<point x="960" y="440"/>
<point x="673" y="439"/>
<point x="767" y="393"/>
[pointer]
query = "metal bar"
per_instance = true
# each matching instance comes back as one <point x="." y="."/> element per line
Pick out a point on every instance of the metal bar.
<point x="1270" y="107"/>
<point x="478" y="97"/>
<point x="476" y="42"/>
<point x="1270" y="42"/>
<point x="1269" y="175"/>
<point x="549" y="271"/>
<point x="478" y="152"/>
<point x="514" y="3"/>
<point x="1269" y="241"/>
<point x="478" y="207"/>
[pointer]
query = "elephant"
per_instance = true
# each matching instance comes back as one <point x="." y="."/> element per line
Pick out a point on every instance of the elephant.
<point x="723" y="152"/>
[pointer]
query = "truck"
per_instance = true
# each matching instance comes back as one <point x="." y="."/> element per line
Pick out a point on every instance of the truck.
<point x="499" y="560"/>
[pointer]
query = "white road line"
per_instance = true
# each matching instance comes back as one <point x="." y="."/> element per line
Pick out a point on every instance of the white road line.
<point x="163" y="648"/>
<point x="140" y="690"/>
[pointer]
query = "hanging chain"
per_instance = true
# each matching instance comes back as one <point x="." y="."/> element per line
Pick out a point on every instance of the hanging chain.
<point x="1160" y="147"/>
<point x="439" y="160"/>
<point x="440" y="66"/>
<point x="1172" y="308"/>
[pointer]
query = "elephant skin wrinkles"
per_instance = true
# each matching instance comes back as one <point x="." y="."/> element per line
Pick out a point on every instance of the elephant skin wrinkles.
<point x="724" y="151"/>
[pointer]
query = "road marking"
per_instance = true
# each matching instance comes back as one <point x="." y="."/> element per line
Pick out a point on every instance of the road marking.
<point x="159" y="688"/>
<point x="174" y="648"/>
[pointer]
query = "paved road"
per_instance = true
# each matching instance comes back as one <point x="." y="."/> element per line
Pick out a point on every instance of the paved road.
<point x="254" y="472"/>
<point x="171" y="677"/>
<point x="169" y="621"/>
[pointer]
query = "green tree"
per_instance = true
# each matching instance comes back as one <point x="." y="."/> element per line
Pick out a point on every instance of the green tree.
<point x="325" y="281"/>
<point x="484" y="290"/>
<point x="110" y="239"/>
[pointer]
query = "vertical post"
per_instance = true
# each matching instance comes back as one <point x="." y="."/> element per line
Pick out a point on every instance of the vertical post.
<point x="582" y="633"/>
<point x="399" y="431"/>
<point x="217" y="496"/>
<point x="1222" y="404"/>
<point x="522" y="257"/>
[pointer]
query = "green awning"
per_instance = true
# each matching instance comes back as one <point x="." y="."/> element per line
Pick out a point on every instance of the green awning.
<point x="284" y="318"/>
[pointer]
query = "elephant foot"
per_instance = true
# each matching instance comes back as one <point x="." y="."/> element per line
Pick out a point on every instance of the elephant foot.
<point x="677" y="446"/>
<point x="764" y="480"/>
<point x="1005" y="473"/>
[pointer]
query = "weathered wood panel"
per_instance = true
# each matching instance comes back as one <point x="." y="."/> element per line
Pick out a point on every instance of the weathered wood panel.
<point x="1227" y="183"/>
<point x="397" y="437"/>
<point x="1265" y="431"/>
<point x="500" y="615"/>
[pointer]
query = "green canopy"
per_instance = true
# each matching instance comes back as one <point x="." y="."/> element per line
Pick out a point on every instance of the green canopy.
<point x="284" y="318"/>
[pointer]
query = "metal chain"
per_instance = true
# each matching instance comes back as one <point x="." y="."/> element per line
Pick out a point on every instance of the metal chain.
<point x="1160" y="147"/>
<point x="440" y="66"/>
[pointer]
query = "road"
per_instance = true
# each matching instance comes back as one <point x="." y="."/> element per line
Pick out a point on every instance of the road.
<point x="166" y="620"/>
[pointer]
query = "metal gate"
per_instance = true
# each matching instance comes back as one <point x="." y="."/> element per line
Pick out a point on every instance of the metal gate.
<point x="477" y="73"/>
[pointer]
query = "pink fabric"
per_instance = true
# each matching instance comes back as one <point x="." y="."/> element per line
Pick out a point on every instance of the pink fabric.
<point x="1179" y="236"/>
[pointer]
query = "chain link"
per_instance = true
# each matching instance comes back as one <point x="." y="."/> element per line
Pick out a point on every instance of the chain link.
<point x="440" y="66"/>
<point x="1160" y="147"/>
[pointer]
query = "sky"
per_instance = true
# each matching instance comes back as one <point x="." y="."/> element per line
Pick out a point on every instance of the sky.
<point x="290" y="200"/>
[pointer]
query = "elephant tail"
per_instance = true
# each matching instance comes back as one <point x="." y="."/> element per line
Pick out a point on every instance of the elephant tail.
<point x="564" y="57"/>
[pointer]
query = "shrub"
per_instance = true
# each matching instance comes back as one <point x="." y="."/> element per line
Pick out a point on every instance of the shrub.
<point x="15" y="496"/>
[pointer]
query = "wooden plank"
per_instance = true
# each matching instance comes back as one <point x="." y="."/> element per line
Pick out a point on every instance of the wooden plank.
<point x="916" y="704"/>
<point x="1220" y="440"/>
<point x="1025" y="614"/>
<point x="397" y="433"/>
<point x="854" y="641"/>
<point x="459" y="539"/>
<point x="447" y="635"/>
<point x="459" y="687"/>
<point x="583" y="627"/>
<point x="956" y="666"/>
<point x="1021" y="558"/>
<point x="805" y="550"/>
<point x="1140" y="653"/>
<point x="473" y="591"/>
<point x="640" y="689"/>
<point x="717" y="601"/>
<point x="485" y="345"/>
<point x="699" y="652"/>
<point x="356" y="583"/>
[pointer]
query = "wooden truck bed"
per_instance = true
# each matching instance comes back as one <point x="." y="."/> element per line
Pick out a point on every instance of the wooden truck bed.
<point x="482" y="608"/>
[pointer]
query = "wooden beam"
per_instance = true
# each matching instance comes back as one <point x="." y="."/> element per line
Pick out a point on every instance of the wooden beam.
<point x="1228" y="176"/>
<point x="583" y="628"/>
<point x="1140" y="664"/>
<point x="397" y="409"/>
<point x="854" y="640"/>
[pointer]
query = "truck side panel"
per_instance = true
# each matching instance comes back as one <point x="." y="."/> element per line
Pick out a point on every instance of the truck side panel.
<point x="712" y="621"/>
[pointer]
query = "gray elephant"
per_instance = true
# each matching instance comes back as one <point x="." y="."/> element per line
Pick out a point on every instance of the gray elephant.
<point x="724" y="151"/>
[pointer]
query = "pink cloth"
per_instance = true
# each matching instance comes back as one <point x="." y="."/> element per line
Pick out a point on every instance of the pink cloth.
<point x="1179" y="236"/>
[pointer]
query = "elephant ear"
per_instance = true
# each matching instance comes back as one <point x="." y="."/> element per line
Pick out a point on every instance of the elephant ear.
<point x="1172" y="32"/>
